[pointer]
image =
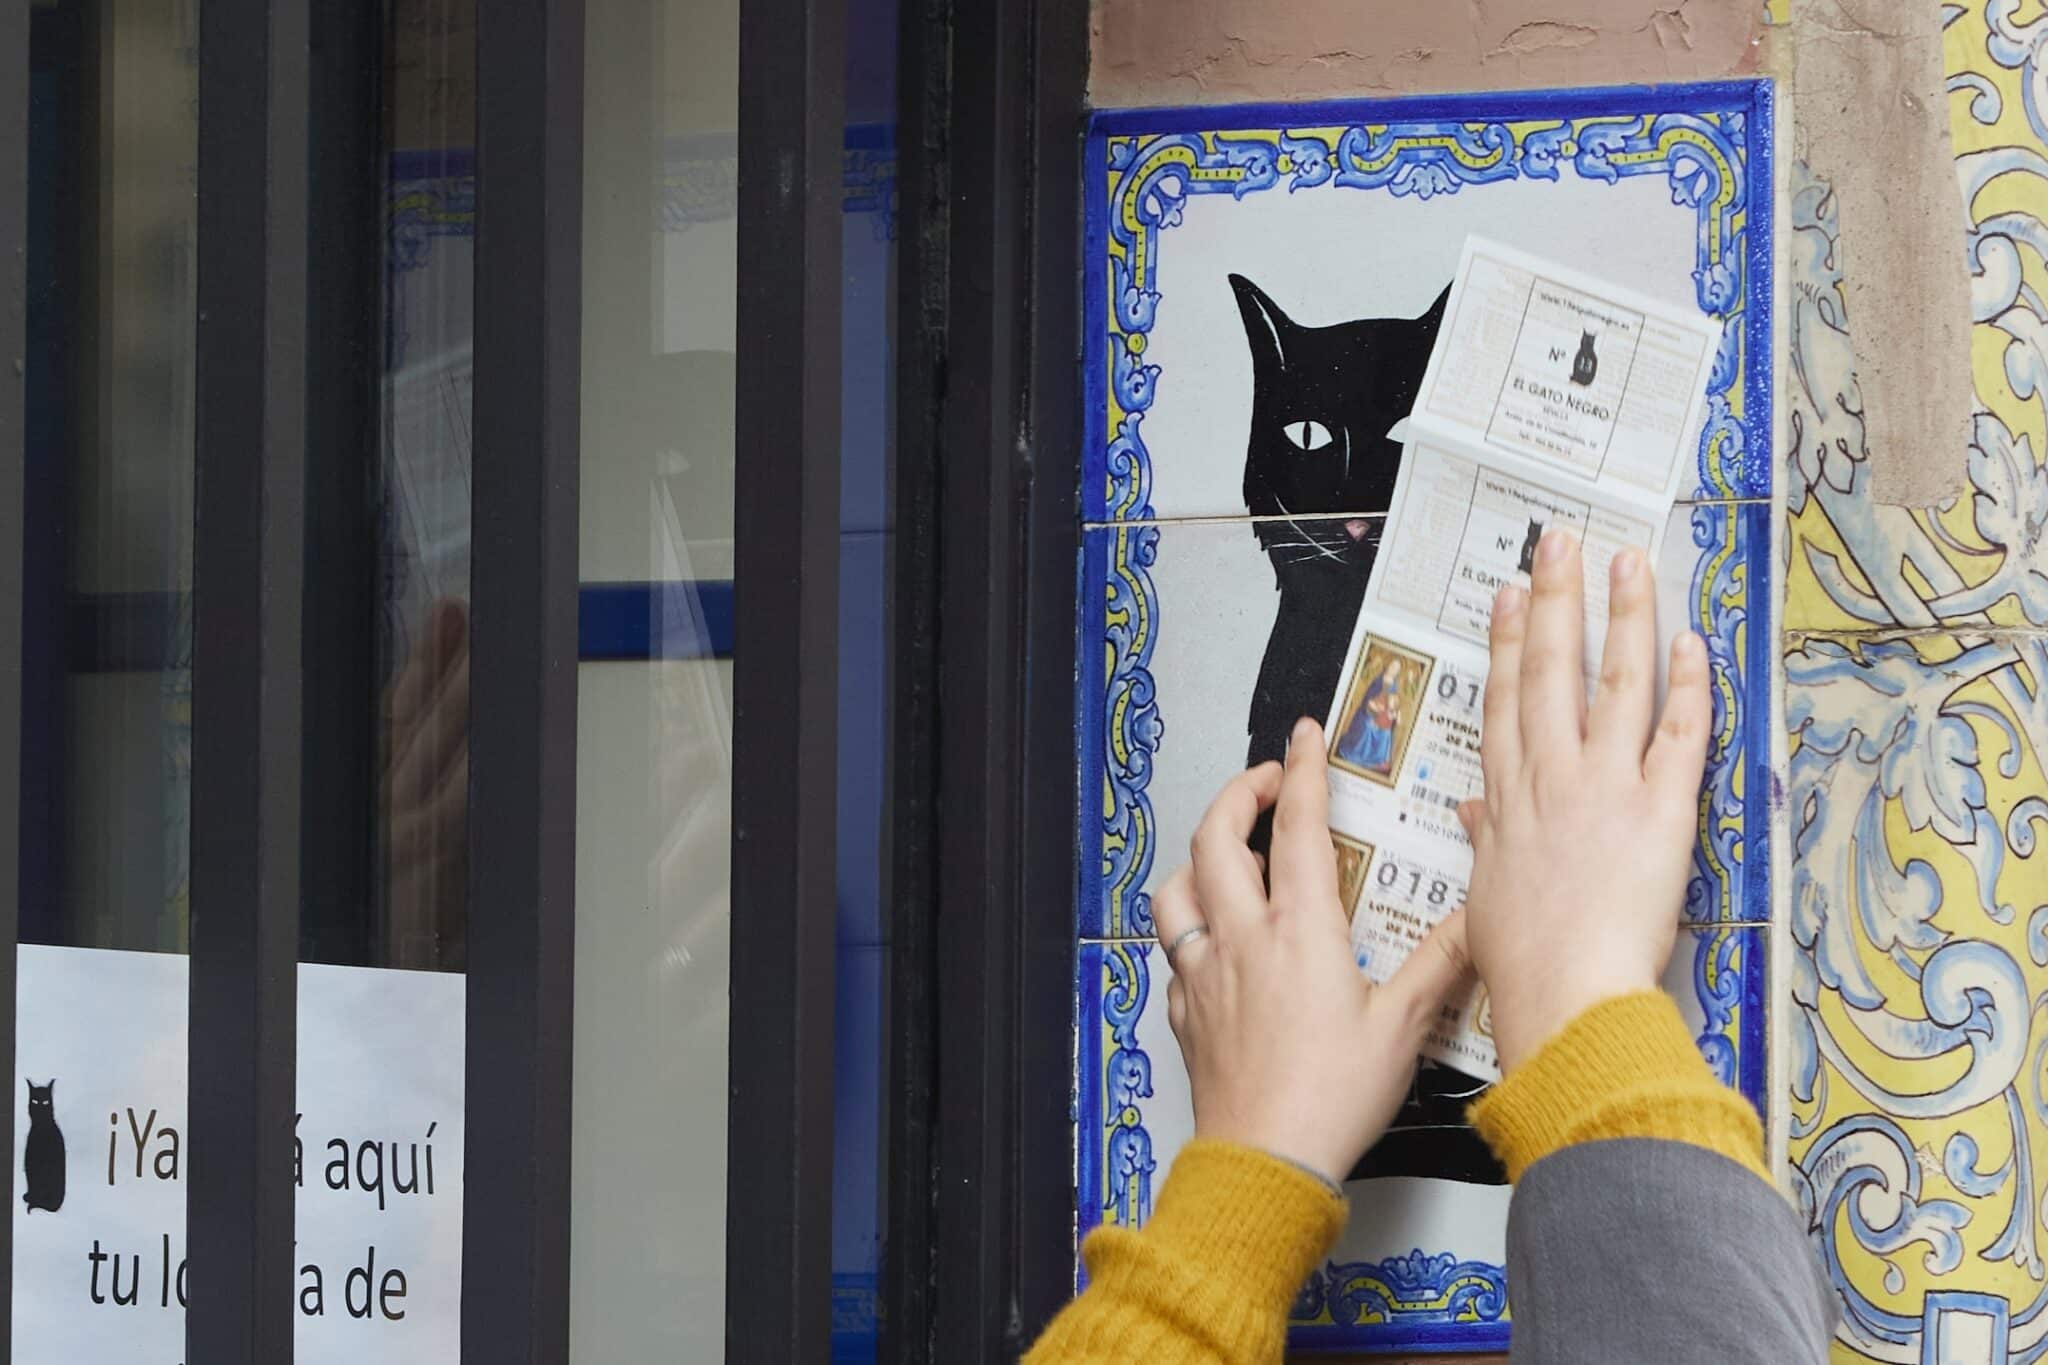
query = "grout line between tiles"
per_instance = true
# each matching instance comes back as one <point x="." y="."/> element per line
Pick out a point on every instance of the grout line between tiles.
<point x="1246" y="519"/>
<point x="1224" y="519"/>
<point x="1797" y="635"/>
<point x="1695" y="926"/>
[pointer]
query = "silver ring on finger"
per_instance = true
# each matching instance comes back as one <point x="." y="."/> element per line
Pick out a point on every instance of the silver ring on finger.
<point x="1183" y="939"/>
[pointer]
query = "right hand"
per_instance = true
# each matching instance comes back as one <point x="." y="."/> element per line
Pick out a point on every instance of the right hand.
<point x="1582" y="843"/>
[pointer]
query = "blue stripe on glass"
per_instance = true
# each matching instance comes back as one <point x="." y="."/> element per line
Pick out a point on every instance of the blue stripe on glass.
<point x="132" y="632"/>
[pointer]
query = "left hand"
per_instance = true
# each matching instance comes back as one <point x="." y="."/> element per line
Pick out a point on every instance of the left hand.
<point x="1289" y="1048"/>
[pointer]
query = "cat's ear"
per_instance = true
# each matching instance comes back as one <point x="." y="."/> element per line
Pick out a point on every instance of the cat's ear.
<point x="1434" y="314"/>
<point x="1266" y="328"/>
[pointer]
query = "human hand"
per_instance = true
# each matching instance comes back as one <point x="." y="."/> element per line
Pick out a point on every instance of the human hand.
<point x="1289" y="1048"/>
<point x="1582" y="843"/>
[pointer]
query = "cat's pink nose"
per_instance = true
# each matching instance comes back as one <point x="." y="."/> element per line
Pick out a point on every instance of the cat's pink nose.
<point x="1357" y="527"/>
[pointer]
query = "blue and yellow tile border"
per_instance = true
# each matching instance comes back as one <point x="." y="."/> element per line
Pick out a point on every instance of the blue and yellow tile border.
<point x="1713" y="145"/>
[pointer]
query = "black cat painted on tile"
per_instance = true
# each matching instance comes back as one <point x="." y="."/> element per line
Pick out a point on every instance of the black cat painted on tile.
<point x="42" y="1157"/>
<point x="1323" y="401"/>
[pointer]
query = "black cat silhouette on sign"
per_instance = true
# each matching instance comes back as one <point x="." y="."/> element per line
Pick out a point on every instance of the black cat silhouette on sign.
<point x="42" y="1161"/>
<point x="1585" y="365"/>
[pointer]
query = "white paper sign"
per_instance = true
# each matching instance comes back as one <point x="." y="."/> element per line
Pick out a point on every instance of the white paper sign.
<point x="1552" y="401"/>
<point x="1581" y="376"/>
<point x="100" y="1157"/>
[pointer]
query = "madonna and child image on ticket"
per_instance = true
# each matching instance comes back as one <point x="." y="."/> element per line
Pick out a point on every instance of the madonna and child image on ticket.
<point x="1551" y="399"/>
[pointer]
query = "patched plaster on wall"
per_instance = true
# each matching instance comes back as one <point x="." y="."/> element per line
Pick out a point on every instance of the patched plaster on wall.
<point x="1227" y="51"/>
<point x="1871" y="118"/>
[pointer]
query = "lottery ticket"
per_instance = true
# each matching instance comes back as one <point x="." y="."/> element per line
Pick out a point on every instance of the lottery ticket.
<point x="1552" y="400"/>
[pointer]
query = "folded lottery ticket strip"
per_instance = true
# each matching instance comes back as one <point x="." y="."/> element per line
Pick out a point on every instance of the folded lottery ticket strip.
<point x="1552" y="399"/>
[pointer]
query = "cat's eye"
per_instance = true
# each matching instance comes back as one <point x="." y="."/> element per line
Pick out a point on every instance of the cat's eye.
<point x="1308" y="435"/>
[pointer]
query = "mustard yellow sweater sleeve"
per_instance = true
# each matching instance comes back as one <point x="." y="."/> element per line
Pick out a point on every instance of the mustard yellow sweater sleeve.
<point x="1627" y="1068"/>
<point x="1232" y="1239"/>
<point x="1236" y="1232"/>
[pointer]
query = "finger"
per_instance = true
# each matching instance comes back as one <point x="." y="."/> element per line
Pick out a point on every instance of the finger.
<point x="1440" y="964"/>
<point x="1174" y="908"/>
<point x="1472" y="815"/>
<point x="431" y="829"/>
<point x="1500" y="744"/>
<point x="1304" y="859"/>
<point x="1625" y="699"/>
<point x="1177" y="1010"/>
<point x="1227" y="881"/>
<point x="423" y="753"/>
<point x="1678" y="751"/>
<point x="446" y="629"/>
<point x="1553" y="700"/>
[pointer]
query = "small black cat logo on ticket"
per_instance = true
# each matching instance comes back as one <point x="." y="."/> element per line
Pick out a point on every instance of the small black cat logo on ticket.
<point x="1585" y="365"/>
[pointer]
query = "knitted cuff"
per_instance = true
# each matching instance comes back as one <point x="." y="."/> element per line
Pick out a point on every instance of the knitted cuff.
<point x="1254" y="1224"/>
<point x="1625" y="1068"/>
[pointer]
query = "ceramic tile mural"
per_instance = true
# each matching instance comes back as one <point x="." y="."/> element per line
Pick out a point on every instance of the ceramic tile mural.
<point x="1206" y="225"/>
<point x="1916" y="676"/>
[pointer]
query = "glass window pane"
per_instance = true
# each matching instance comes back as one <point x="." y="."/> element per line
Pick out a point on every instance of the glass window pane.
<point x="860" y="1168"/>
<point x="419" y="911"/>
<point x="654" y="744"/>
<point x="378" y="1272"/>
<point x="106" y="681"/>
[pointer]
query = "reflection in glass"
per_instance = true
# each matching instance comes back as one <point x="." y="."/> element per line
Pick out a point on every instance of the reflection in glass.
<point x="420" y="887"/>
<point x="107" y="566"/>
<point x="106" y="660"/>
<point x="866" y="549"/>
<point x="654" y="743"/>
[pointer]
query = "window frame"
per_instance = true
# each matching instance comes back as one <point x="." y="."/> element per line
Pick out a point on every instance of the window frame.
<point x="14" y="116"/>
<point x="982" y="850"/>
<point x="778" y="1250"/>
<point x="980" y="1251"/>
<point x="248" y="571"/>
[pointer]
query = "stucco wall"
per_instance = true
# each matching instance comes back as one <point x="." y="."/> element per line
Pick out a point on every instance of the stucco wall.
<point x="1229" y="51"/>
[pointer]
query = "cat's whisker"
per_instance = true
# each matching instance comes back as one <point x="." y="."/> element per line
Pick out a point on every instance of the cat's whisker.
<point x="1303" y="531"/>
<point x="1313" y="555"/>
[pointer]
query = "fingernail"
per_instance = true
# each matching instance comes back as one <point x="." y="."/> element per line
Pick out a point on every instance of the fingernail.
<point x="1304" y="735"/>
<point x="1553" y="545"/>
<point x="1626" y="565"/>
<point x="1508" y="604"/>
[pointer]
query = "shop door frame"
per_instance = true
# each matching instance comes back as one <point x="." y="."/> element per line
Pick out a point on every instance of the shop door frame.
<point x="989" y="403"/>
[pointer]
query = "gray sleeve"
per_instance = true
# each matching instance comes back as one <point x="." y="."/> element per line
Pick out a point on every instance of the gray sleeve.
<point x="1638" y="1250"/>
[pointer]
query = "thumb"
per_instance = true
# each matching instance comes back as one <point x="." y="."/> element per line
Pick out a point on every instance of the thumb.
<point x="1439" y="965"/>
